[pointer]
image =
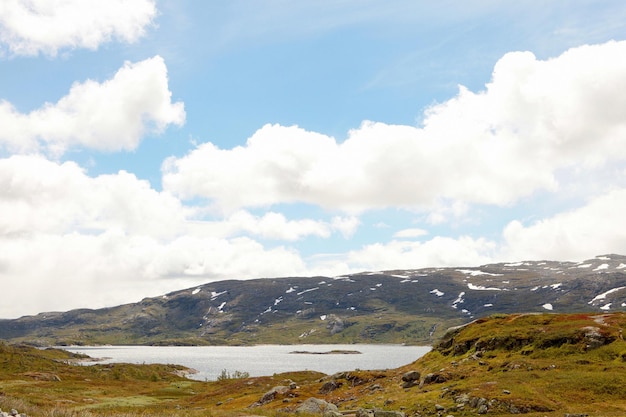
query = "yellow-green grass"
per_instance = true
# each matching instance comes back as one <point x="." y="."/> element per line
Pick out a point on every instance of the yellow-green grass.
<point x="539" y="364"/>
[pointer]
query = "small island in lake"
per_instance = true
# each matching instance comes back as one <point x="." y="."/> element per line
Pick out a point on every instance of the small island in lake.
<point x="330" y="352"/>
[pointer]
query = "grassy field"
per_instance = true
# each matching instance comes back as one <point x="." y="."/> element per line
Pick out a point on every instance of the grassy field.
<point x="535" y="364"/>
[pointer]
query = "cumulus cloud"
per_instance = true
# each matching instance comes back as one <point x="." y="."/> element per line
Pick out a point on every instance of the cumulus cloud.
<point x="40" y="196"/>
<point x="63" y="271"/>
<point x="30" y="27"/>
<point x="410" y="233"/>
<point x="593" y="229"/>
<point x="69" y="240"/>
<point x="276" y="226"/>
<point x="533" y="119"/>
<point x="409" y="254"/>
<point x="109" y="116"/>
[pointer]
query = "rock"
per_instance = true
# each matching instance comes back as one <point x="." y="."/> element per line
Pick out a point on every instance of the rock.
<point x="462" y="399"/>
<point x="363" y="412"/>
<point x="316" y="406"/>
<point x="272" y="394"/>
<point x="439" y="407"/>
<point x="329" y="387"/>
<point x="483" y="409"/>
<point x="434" y="378"/>
<point x="292" y="385"/>
<point x="576" y="415"/>
<point x="410" y="379"/>
<point x="386" y="413"/>
<point x="411" y="376"/>
<point x="409" y="384"/>
<point x="335" y="324"/>
<point x="506" y="391"/>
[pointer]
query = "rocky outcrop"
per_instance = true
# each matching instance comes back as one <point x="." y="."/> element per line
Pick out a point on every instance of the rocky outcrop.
<point x="272" y="394"/>
<point x="410" y="379"/>
<point x="317" y="406"/>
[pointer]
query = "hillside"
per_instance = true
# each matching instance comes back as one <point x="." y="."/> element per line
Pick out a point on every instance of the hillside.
<point x="534" y="364"/>
<point x="402" y="306"/>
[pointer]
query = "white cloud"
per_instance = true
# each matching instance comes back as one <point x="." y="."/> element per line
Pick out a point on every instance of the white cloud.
<point x="410" y="233"/>
<point x="40" y="196"/>
<point x="346" y="225"/>
<point x="28" y="27"/>
<point x="272" y="225"/>
<point x="534" y="119"/>
<point x="405" y="254"/>
<point x="582" y="233"/>
<point x="109" y="116"/>
<point x="63" y="271"/>
<point x="69" y="240"/>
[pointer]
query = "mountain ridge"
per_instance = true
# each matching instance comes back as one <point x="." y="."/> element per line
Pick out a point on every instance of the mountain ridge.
<point x="413" y="306"/>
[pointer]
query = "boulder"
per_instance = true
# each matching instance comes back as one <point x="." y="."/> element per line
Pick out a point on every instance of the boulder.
<point x="364" y="412"/>
<point x="329" y="387"/>
<point x="273" y="393"/>
<point x="386" y="413"/>
<point x="316" y="406"/>
<point x="411" y="376"/>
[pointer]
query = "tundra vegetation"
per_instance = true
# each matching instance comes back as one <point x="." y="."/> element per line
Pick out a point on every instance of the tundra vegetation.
<point x="539" y="364"/>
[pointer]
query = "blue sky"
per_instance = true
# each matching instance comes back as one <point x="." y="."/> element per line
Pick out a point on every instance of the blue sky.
<point x="147" y="146"/>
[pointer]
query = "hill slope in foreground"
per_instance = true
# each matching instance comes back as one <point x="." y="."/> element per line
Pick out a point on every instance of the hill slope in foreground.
<point x="402" y="306"/>
<point x="534" y="364"/>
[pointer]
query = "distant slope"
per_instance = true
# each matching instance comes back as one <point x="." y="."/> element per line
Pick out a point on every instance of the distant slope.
<point x="402" y="306"/>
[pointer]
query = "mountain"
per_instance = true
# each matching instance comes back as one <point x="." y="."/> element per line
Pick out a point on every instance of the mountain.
<point x="401" y="306"/>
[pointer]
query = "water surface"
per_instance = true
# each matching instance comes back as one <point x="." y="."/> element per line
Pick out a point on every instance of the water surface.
<point x="260" y="360"/>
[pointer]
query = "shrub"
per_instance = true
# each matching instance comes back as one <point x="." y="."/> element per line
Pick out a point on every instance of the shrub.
<point x="225" y="375"/>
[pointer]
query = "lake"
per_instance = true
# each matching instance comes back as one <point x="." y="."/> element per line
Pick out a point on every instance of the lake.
<point x="260" y="360"/>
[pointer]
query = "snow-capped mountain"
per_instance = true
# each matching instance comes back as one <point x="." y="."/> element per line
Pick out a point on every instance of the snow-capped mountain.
<point x="407" y="306"/>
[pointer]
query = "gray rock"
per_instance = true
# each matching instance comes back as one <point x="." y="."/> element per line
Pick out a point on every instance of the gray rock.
<point x="411" y="376"/>
<point x="386" y="413"/>
<point x="364" y="412"/>
<point x="329" y="387"/>
<point x="316" y="406"/>
<point x="273" y="393"/>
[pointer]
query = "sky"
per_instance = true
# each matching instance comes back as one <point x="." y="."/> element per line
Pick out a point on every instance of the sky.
<point x="148" y="146"/>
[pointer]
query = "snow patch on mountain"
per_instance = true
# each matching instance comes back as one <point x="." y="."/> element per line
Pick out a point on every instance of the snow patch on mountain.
<point x="459" y="300"/>
<point x="309" y="290"/>
<point x="601" y="267"/>
<point x="481" y="288"/>
<point x="437" y="292"/>
<point x="604" y="294"/>
<point x="475" y="273"/>
<point x="214" y="294"/>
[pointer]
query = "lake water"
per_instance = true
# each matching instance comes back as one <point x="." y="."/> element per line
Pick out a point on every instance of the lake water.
<point x="261" y="360"/>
